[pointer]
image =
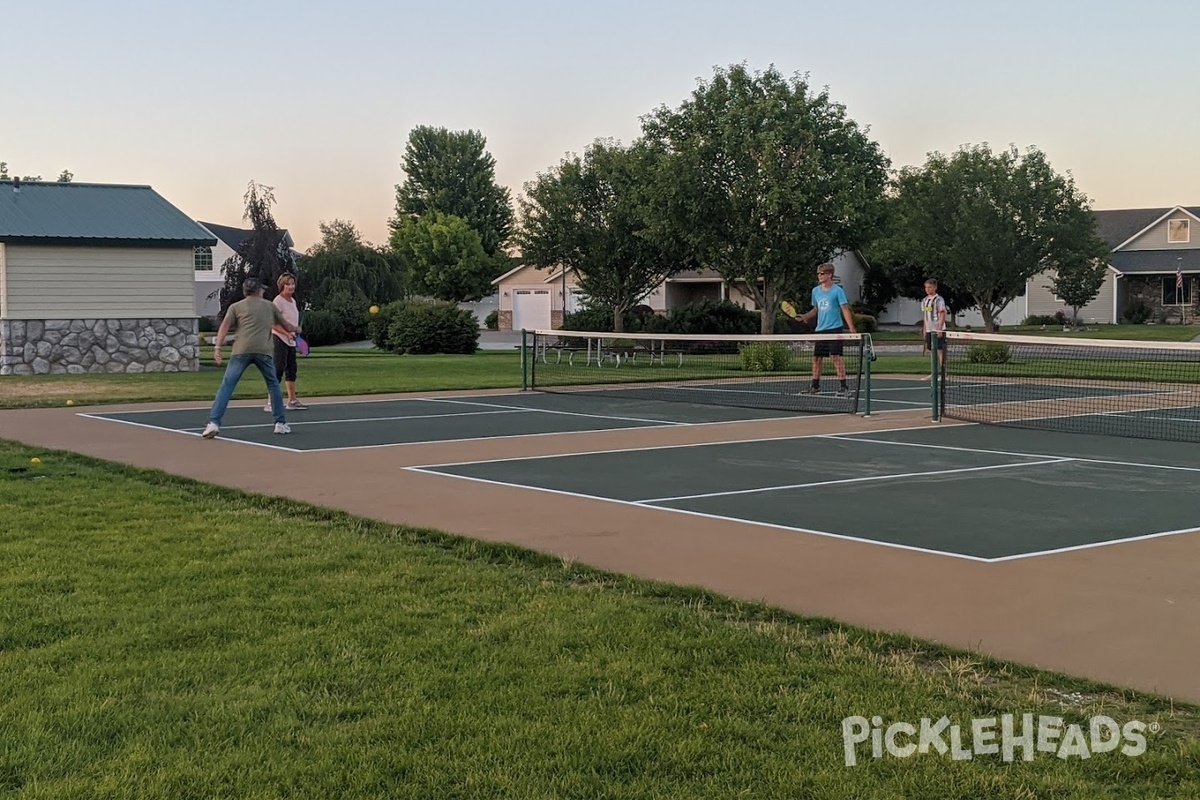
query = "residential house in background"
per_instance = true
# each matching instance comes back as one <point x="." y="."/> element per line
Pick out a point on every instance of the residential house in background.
<point x="96" y="278"/>
<point x="534" y="299"/>
<point x="209" y="260"/>
<point x="1154" y="262"/>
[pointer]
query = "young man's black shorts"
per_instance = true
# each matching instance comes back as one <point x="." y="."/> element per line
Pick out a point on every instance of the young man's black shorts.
<point x="826" y="348"/>
<point x="935" y="341"/>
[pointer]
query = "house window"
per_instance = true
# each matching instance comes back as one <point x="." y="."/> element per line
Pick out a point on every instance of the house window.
<point x="202" y="259"/>
<point x="1179" y="231"/>
<point x="1172" y="295"/>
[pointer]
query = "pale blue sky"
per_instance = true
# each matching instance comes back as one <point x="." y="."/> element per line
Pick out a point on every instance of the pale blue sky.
<point x="317" y="99"/>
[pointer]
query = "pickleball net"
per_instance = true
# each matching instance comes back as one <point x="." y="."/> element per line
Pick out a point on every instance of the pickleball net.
<point x="1145" y="390"/>
<point x="764" y="372"/>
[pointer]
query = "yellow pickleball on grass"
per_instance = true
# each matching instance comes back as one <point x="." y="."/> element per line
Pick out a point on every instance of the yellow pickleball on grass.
<point x="70" y="402"/>
<point x="35" y="460"/>
<point x="374" y="309"/>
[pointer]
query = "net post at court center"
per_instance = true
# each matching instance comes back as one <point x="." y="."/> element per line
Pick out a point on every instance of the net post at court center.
<point x="1146" y="390"/>
<point x="754" y="371"/>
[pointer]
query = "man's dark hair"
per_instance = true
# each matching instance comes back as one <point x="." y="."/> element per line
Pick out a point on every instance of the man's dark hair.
<point x="251" y="286"/>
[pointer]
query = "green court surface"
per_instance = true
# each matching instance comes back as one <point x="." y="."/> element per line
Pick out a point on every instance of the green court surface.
<point x="964" y="490"/>
<point x="379" y="423"/>
<point x="973" y="491"/>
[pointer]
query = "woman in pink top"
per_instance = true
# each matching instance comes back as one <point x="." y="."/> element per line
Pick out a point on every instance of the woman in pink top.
<point x="285" y="343"/>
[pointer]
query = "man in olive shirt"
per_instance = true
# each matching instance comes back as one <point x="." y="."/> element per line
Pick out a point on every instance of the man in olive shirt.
<point x="253" y="317"/>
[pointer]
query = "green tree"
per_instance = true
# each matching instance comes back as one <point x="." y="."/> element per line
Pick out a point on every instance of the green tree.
<point x="986" y="222"/>
<point x="445" y="257"/>
<point x="264" y="254"/>
<point x="596" y="216"/>
<point x="891" y="274"/>
<point x="345" y="275"/>
<point x="451" y="172"/>
<point x="64" y="177"/>
<point x="1078" y="280"/>
<point x="768" y="179"/>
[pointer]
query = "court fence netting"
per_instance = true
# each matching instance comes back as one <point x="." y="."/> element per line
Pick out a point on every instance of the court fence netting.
<point x="763" y="372"/>
<point x="1145" y="390"/>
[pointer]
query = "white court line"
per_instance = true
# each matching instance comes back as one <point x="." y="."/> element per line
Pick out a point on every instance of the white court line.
<point x="294" y="422"/>
<point x="1094" y="545"/>
<point x="565" y="413"/>
<point x="847" y="437"/>
<point x="887" y="477"/>
<point x="187" y="432"/>
<point x="649" y="448"/>
<point x="535" y="435"/>
<point x="668" y="510"/>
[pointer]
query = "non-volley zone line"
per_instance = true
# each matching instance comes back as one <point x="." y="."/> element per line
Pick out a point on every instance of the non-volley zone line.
<point x="891" y="476"/>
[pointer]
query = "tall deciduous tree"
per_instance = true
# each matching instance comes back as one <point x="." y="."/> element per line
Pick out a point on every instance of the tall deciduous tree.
<point x="451" y="172"/>
<point x="768" y="179"/>
<point x="264" y="254"/>
<point x="596" y="216"/>
<point x="444" y="255"/>
<point x="986" y="222"/>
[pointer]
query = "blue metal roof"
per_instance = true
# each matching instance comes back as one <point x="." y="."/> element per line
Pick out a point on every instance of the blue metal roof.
<point x="93" y="213"/>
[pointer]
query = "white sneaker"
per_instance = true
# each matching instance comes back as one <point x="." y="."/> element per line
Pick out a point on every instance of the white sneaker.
<point x="282" y="427"/>
<point x="267" y="407"/>
<point x="211" y="430"/>
<point x="296" y="405"/>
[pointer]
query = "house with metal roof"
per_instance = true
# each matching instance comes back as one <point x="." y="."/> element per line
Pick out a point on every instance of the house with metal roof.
<point x="209" y="263"/>
<point x="96" y="278"/>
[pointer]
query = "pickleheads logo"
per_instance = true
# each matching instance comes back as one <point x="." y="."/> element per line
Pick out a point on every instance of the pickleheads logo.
<point x="991" y="736"/>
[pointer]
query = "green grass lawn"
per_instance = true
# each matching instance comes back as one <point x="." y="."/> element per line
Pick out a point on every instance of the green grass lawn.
<point x="168" y="639"/>
<point x="325" y="373"/>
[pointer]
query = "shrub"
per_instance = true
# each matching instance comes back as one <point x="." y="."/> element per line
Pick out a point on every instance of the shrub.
<point x="766" y="357"/>
<point x="988" y="353"/>
<point x="714" y="316"/>
<point x="640" y="319"/>
<point x="1138" y="312"/>
<point x="424" y="328"/>
<point x="351" y="308"/>
<point x="206" y="325"/>
<point x="379" y="326"/>
<point x="592" y="319"/>
<point x="492" y="321"/>
<point x="865" y="323"/>
<point x="323" y="328"/>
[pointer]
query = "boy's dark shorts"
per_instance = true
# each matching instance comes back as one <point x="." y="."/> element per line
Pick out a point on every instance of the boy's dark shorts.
<point x="829" y="348"/>
<point x="935" y="341"/>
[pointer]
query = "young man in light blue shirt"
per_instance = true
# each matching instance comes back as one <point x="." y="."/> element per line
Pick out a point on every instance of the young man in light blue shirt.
<point x="832" y="311"/>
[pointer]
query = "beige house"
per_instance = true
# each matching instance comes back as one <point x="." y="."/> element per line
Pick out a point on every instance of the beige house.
<point x="534" y="299"/>
<point x="96" y="278"/>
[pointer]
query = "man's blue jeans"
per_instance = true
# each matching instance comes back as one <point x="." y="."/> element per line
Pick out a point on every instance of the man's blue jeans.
<point x="233" y="374"/>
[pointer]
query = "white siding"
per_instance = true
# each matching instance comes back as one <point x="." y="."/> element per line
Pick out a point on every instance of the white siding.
<point x="98" y="283"/>
<point x="3" y="284"/>
<point x="1041" y="300"/>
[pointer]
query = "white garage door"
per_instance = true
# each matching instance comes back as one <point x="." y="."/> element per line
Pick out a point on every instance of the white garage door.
<point x="531" y="309"/>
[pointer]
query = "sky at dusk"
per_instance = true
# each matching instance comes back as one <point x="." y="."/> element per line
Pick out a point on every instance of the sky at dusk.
<point x="317" y="99"/>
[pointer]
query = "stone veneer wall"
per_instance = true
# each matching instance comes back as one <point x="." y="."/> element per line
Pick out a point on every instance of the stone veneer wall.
<point x="76" y="346"/>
